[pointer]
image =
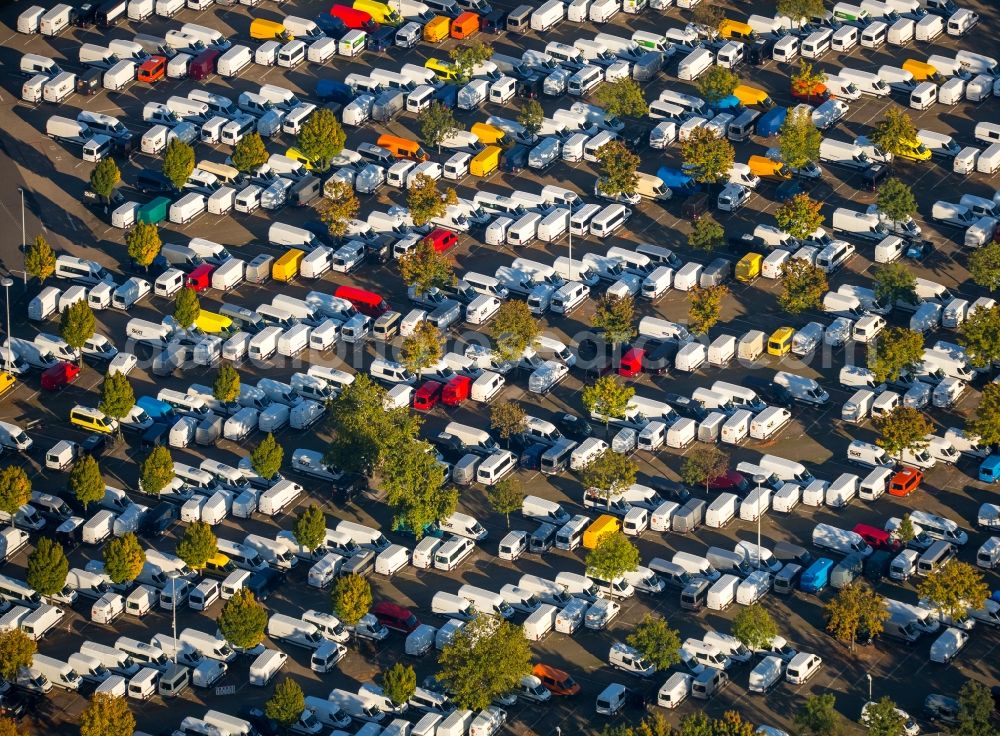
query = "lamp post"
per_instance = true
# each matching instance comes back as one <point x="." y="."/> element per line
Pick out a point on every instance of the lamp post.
<point x="867" y="675"/>
<point x="6" y="283"/>
<point x="24" y="240"/>
<point x="759" y="562"/>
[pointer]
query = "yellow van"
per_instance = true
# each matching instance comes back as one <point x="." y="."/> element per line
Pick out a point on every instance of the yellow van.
<point x="268" y="30"/>
<point x="286" y="267"/>
<point x="219" y="565"/>
<point x="604" y="526"/>
<point x="92" y="420"/>
<point x="380" y="12"/>
<point x="213" y="323"/>
<point x="297" y="155"/>
<point x="7" y="382"/>
<point x="914" y="150"/>
<point x="486" y="161"/>
<point x="780" y="341"/>
<point x="489" y="135"/>
<point x="443" y="70"/>
<point x="768" y="168"/>
<point x="735" y="30"/>
<point x="650" y="186"/>
<point x="753" y="97"/>
<point x="748" y="267"/>
<point x="437" y="29"/>
<point x="922" y="71"/>
<point x="224" y="172"/>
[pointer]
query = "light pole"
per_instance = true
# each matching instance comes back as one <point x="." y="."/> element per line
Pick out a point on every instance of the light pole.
<point x="24" y="240"/>
<point x="869" y="686"/>
<point x="173" y="612"/>
<point x="6" y="283"/>
<point x="759" y="562"/>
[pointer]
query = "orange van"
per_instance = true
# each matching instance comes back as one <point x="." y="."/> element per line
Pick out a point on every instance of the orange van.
<point x="554" y="680"/>
<point x="465" y="25"/>
<point x="403" y="147"/>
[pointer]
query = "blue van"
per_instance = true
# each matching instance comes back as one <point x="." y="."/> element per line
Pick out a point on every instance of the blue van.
<point x="989" y="471"/>
<point x="159" y="411"/>
<point x="680" y="183"/>
<point x="817" y="576"/>
<point x="771" y="121"/>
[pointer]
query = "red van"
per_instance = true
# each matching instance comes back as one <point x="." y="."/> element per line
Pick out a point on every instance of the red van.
<point x="905" y="482"/>
<point x="200" y="278"/>
<point x="442" y="240"/>
<point x="354" y="19"/>
<point x="427" y="396"/>
<point x="631" y="364"/>
<point x="456" y="391"/>
<point x="368" y="303"/>
<point x="152" y="69"/>
<point x="395" y="617"/>
<point x="877" y="538"/>
<point x="59" y="376"/>
<point x="203" y="65"/>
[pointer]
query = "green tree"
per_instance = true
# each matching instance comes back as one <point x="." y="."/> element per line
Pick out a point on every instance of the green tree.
<point x="895" y="283"/>
<point x="985" y="422"/>
<point x="800" y="10"/>
<point x="623" y="99"/>
<point x="107" y="715"/>
<point x="955" y="589"/>
<point x="468" y="57"/>
<point x="104" y="178"/>
<point x="77" y="324"/>
<point x="424" y="268"/>
<point x="884" y="719"/>
<point x="487" y="658"/>
<point x="156" y="471"/>
<point x="340" y="206"/>
<point x="708" y="15"/>
<point x="39" y="260"/>
<point x="514" y="329"/>
<point x="226" y="387"/>
<point x="709" y="156"/>
<point x="896" y="200"/>
<point x="615" y="316"/>
<point x="856" y="608"/>
<point x="703" y="464"/>
<point x="707" y="234"/>
<point x="363" y="430"/>
<point x="143" y="243"/>
<point x="613" y="556"/>
<point x="15" y="489"/>
<point x="506" y="497"/>
<point x="799" y="139"/>
<point x="618" y="167"/>
<point x="818" y="716"/>
<point x="706" y="308"/>
<point x="187" y="307"/>
<point x="980" y="336"/>
<point x="178" y="163"/>
<point x="800" y="216"/>
<point x="422" y="348"/>
<point x="975" y="710"/>
<point x="86" y="482"/>
<point x="351" y="598"/>
<point x="198" y="545"/>
<point x="508" y="419"/>
<point x="310" y="527"/>
<point x="609" y="473"/>
<point x="123" y="558"/>
<point x="17" y="650"/>
<point x="898" y="349"/>
<point x="984" y="265"/>
<point x="903" y="428"/>
<point x="895" y="132"/>
<point x="414" y="485"/>
<point x="905" y="531"/>
<point x="807" y="78"/>
<point x="321" y="138"/>
<point x="530" y="116"/>
<point x="717" y="83"/>
<point x="608" y="397"/>
<point x="47" y="567"/>
<point x="117" y="396"/>
<point x="250" y="153"/>
<point x="754" y="626"/>
<point x="267" y="457"/>
<point x="656" y="641"/>
<point x="243" y="620"/>
<point x="399" y="682"/>
<point x="803" y="286"/>
<point x="426" y="202"/>
<point x="436" y="123"/>
<point x="287" y="703"/>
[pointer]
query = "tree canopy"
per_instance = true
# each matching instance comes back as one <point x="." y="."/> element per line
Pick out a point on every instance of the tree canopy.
<point x="487" y="658"/>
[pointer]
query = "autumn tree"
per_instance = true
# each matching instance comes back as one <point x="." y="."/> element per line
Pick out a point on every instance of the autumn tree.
<point x="39" y="259"/>
<point x="706" y="308"/>
<point x="143" y="243"/>
<point x="436" y="123"/>
<point x="123" y="558"/>
<point x="104" y="178"/>
<point x="856" y="608"/>
<point x="984" y="265"/>
<point x="656" y="641"/>
<point x="77" y="324"/>
<point x="894" y="282"/>
<point x="243" y="620"/>
<point x="703" y="464"/>
<point x="607" y="397"/>
<point x="985" y="421"/>
<point x="979" y="334"/>
<point x="17" y="650"/>
<point x="47" y="567"/>
<point x="424" y="268"/>
<point x="507" y="418"/>
<point x="422" y="348"/>
<point x="897" y="350"/>
<point x="709" y="156"/>
<point x="707" y="234"/>
<point x="623" y="98"/>
<point x="426" y="202"/>
<point x="895" y="132"/>
<point x="799" y="139"/>
<point x="806" y="79"/>
<point x="717" y="83"/>
<point x="800" y="216"/>
<point x="399" y="682"/>
<point x="156" y="470"/>
<point x="506" y="497"/>
<point x="618" y="167"/>
<point x="903" y="428"/>
<point x="198" y="545"/>
<point x="226" y="387"/>
<point x="955" y="589"/>
<point x="615" y="316"/>
<point x="15" y="489"/>
<point x="613" y="556"/>
<point x="86" y="482"/>
<point x="339" y="207"/>
<point x="250" y="153"/>
<point x="513" y="329"/>
<point x="351" y="598"/>
<point x="286" y="704"/>
<point x="178" y="162"/>
<point x="187" y="307"/>
<point x="107" y="715"/>
<point x="803" y="286"/>
<point x="267" y="457"/>
<point x="321" y="138"/>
